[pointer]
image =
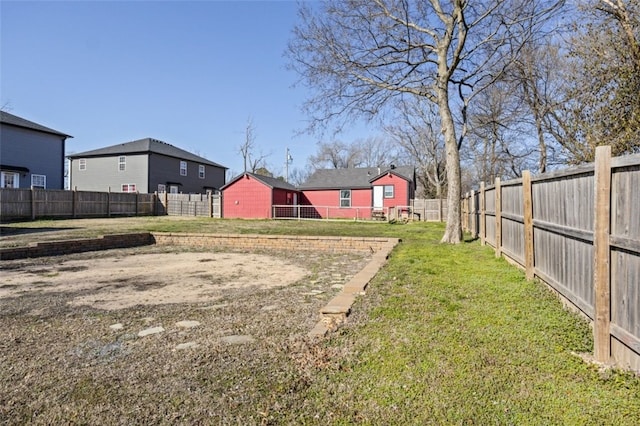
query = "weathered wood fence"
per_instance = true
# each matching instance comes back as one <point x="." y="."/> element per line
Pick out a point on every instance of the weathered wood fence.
<point x="26" y="204"/>
<point x="577" y="230"/>
<point x="31" y="204"/>
<point x="204" y="205"/>
<point x="429" y="210"/>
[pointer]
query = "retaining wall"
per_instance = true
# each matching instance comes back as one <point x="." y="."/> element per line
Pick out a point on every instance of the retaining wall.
<point x="57" y="248"/>
<point x="247" y="242"/>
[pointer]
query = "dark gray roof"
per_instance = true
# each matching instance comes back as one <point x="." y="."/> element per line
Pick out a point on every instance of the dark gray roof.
<point x="353" y="178"/>
<point x="267" y="180"/>
<point x="146" y="145"/>
<point x="14" y="120"/>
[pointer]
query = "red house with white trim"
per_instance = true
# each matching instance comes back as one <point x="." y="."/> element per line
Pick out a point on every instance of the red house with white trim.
<point x="359" y="192"/>
<point x="356" y="193"/>
<point x="251" y="196"/>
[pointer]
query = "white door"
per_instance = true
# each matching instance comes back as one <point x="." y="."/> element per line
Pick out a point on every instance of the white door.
<point x="9" y="180"/>
<point x="378" y="194"/>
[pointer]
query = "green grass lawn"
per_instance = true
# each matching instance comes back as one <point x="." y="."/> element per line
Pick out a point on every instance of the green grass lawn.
<point x="451" y="335"/>
<point x="445" y="335"/>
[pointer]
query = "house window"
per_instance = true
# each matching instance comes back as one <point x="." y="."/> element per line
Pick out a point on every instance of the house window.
<point x="388" y="191"/>
<point x="201" y="171"/>
<point x="9" y="180"/>
<point x="128" y="187"/>
<point x="173" y="189"/>
<point x="82" y="164"/>
<point x="345" y="198"/>
<point x="39" y="181"/>
<point x="122" y="163"/>
<point x="183" y="168"/>
<point x="162" y="188"/>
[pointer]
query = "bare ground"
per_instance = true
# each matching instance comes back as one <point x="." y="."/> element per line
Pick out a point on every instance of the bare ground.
<point x="233" y="327"/>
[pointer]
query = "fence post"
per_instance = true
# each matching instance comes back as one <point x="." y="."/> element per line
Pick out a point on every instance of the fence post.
<point x="528" y="225"/>
<point x="109" y="202"/>
<point x="601" y="266"/>
<point x="210" y="203"/>
<point x="498" y="198"/>
<point x="33" y="204"/>
<point x="74" y="202"/>
<point x="474" y="220"/>
<point x="483" y="229"/>
<point x="155" y="203"/>
<point x="463" y="215"/>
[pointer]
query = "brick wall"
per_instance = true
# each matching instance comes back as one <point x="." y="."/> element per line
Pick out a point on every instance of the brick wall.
<point x="219" y="241"/>
<point x="57" y="248"/>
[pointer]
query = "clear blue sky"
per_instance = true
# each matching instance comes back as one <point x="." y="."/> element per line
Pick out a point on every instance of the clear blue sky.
<point x="187" y="73"/>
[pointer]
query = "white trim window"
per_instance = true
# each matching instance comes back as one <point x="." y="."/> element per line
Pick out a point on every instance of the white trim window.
<point x="39" y="181"/>
<point x="173" y="189"/>
<point x="122" y="163"/>
<point x="9" y="180"/>
<point x="201" y="171"/>
<point x="183" y="168"/>
<point x="82" y="164"/>
<point x="128" y="187"/>
<point x="389" y="191"/>
<point x="345" y="198"/>
<point x="162" y="188"/>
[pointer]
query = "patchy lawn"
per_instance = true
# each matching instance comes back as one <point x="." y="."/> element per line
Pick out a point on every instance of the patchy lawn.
<point x="444" y="335"/>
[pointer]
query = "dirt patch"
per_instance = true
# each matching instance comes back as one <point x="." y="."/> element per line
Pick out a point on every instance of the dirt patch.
<point x="151" y="279"/>
<point x="100" y="337"/>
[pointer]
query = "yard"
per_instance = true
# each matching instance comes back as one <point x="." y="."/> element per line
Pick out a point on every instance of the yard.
<point x="444" y="335"/>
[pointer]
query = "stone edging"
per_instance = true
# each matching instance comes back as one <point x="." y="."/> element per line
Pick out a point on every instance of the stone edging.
<point x="336" y="311"/>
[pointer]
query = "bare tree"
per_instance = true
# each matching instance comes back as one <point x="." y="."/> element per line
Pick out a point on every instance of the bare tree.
<point x="377" y="151"/>
<point x="499" y="141"/>
<point x="417" y="132"/>
<point x="602" y="106"/>
<point x="361" y="54"/>
<point x="247" y="149"/>
<point x="298" y="176"/>
<point x="335" y="155"/>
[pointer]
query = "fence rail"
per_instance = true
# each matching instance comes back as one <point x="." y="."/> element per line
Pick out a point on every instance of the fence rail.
<point x="578" y="230"/>
<point x="420" y="210"/>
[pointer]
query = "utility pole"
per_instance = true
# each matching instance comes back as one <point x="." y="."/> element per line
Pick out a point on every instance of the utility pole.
<point x="288" y="160"/>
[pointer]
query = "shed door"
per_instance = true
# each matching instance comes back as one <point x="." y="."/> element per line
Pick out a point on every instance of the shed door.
<point x="378" y="194"/>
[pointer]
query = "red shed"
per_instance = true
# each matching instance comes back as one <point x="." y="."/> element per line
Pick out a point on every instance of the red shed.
<point x="251" y="196"/>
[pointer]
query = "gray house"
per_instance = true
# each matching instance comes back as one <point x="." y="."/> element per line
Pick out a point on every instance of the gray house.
<point x="145" y="166"/>
<point x="31" y="155"/>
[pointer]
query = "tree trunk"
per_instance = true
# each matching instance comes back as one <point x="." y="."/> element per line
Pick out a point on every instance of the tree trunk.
<point x="453" y="230"/>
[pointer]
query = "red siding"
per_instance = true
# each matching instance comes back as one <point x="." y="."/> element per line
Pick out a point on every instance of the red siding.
<point x="361" y="203"/>
<point x="246" y="198"/>
<point x="401" y="190"/>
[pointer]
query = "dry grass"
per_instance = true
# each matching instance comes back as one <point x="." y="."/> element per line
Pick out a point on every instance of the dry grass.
<point x="64" y="364"/>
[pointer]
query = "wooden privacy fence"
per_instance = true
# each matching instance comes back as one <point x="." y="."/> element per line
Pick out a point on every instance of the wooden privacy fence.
<point x="578" y="230"/>
<point x="429" y="210"/>
<point x="31" y="204"/>
<point x="205" y="205"/>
